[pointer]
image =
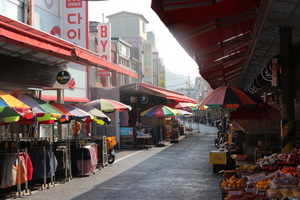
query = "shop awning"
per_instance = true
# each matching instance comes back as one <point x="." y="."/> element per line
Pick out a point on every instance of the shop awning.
<point x="144" y="88"/>
<point x="217" y="34"/>
<point x="70" y="99"/>
<point x="19" y="38"/>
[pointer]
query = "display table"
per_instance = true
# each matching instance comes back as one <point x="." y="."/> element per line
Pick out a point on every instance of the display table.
<point x="144" y="140"/>
<point x="218" y="159"/>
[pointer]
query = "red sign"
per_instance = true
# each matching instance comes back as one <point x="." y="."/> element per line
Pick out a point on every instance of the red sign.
<point x="73" y="3"/>
<point x="103" y="73"/>
<point x="71" y="84"/>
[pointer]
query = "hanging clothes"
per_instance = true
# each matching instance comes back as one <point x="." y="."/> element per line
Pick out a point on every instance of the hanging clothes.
<point x="124" y="118"/>
<point x="37" y="158"/>
<point x="13" y="169"/>
<point x="87" y="158"/>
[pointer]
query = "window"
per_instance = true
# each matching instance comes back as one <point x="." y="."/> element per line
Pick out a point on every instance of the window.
<point x="144" y="27"/>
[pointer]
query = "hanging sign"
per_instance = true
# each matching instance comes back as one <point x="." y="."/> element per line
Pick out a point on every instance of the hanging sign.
<point x="63" y="77"/>
<point x="144" y="99"/>
<point x="266" y="73"/>
<point x="104" y="73"/>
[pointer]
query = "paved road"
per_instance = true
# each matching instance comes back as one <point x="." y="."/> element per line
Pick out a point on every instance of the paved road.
<point x="176" y="171"/>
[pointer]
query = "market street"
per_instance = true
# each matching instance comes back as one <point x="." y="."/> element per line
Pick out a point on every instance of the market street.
<point x="176" y="171"/>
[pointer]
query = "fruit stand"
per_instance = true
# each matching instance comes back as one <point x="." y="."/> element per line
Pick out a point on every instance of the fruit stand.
<point x="271" y="177"/>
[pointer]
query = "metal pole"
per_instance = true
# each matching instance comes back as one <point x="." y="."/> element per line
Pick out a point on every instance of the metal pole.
<point x="287" y="90"/>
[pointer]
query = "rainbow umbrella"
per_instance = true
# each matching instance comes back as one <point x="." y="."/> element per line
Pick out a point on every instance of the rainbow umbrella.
<point x="183" y="106"/>
<point x="160" y="111"/>
<point x="45" y="113"/>
<point x="184" y="113"/>
<point x="72" y="112"/>
<point x="100" y="117"/>
<point x="11" y="108"/>
<point x="228" y="97"/>
<point x="108" y="105"/>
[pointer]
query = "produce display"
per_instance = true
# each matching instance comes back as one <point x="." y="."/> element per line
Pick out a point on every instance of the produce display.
<point x="233" y="182"/>
<point x="288" y="159"/>
<point x="273" y="177"/>
<point x="290" y="171"/>
<point x="245" y="196"/>
<point x="246" y="167"/>
<point x="263" y="184"/>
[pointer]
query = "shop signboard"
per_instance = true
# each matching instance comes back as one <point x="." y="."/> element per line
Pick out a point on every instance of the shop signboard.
<point x="148" y="71"/>
<point x="126" y="130"/>
<point x="155" y="68"/>
<point x="104" y="73"/>
<point x="75" y="22"/>
<point x="63" y="77"/>
<point x="218" y="157"/>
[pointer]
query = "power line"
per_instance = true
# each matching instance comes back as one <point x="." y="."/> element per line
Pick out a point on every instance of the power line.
<point x="176" y="85"/>
<point x="184" y="74"/>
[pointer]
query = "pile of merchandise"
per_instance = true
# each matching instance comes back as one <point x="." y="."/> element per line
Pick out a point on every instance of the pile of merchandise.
<point x="273" y="177"/>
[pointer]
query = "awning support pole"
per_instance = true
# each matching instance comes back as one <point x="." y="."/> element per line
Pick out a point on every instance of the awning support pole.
<point x="287" y="90"/>
<point x="60" y="99"/>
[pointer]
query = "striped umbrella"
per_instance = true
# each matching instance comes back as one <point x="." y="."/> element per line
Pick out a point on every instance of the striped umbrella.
<point x="100" y="117"/>
<point x="161" y="111"/>
<point x="228" y="97"/>
<point x="45" y="113"/>
<point x="12" y="109"/>
<point x="108" y="105"/>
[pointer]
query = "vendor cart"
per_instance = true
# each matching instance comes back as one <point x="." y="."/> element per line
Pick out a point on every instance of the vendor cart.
<point x="175" y="135"/>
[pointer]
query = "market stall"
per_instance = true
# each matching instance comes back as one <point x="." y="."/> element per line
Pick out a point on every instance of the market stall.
<point x="261" y="163"/>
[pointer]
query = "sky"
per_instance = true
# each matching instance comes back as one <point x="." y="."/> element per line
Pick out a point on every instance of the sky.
<point x="174" y="56"/>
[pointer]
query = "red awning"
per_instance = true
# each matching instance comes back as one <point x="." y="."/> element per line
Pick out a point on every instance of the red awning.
<point x="157" y="91"/>
<point x="215" y="33"/>
<point x="70" y="99"/>
<point x="20" y="34"/>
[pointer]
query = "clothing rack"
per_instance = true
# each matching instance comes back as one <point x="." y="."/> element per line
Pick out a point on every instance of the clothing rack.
<point x="18" y="152"/>
<point x="44" y="150"/>
<point x="64" y="148"/>
<point x="84" y="161"/>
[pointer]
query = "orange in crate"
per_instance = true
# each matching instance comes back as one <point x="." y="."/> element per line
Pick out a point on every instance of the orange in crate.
<point x="111" y="142"/>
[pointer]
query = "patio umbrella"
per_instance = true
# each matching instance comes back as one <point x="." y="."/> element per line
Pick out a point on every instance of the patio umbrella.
<point x="11" y="108"/>
<point x="100" y="117"/>
<point x="228" y="97"/>
<point x="108" y="105"/>
<point x="43" y="110"/>
<point x="72" y="111"/>
<point x="193" y="107"/>
<point x="184" y="113"/>
<point x="180" y="106"/>
<point x="161" y="111"/>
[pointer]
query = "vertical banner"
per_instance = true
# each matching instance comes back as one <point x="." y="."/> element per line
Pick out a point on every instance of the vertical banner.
<point x="104" y="45"/>
<point x="148" y="63"/>
<point x="162" y="77"/>
<point x="75" y="25"/>
<point x="155" y="68"/>
<point x="104" y="41"/>
<point x="75" y="29"/>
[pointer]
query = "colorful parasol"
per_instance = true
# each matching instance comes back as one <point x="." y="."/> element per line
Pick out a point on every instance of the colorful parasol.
<point x="161" y="111"/>
<point x="183" y="106"/>
<point x="108" y="105"/>
<point x="193" y="106"/>
<point x="184" y="113"/>
<point x="72" y="111"/>
<point x="45" y="113"/>
<point x="228" y="97"/>
<point x="11" y="108"/>
<point x="100" y="117"/>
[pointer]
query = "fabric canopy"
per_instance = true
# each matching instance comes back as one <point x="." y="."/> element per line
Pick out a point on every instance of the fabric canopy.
<point x="215" y="33"/>
<point x="147" y="88"/>
<point x="20" y="34"/>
